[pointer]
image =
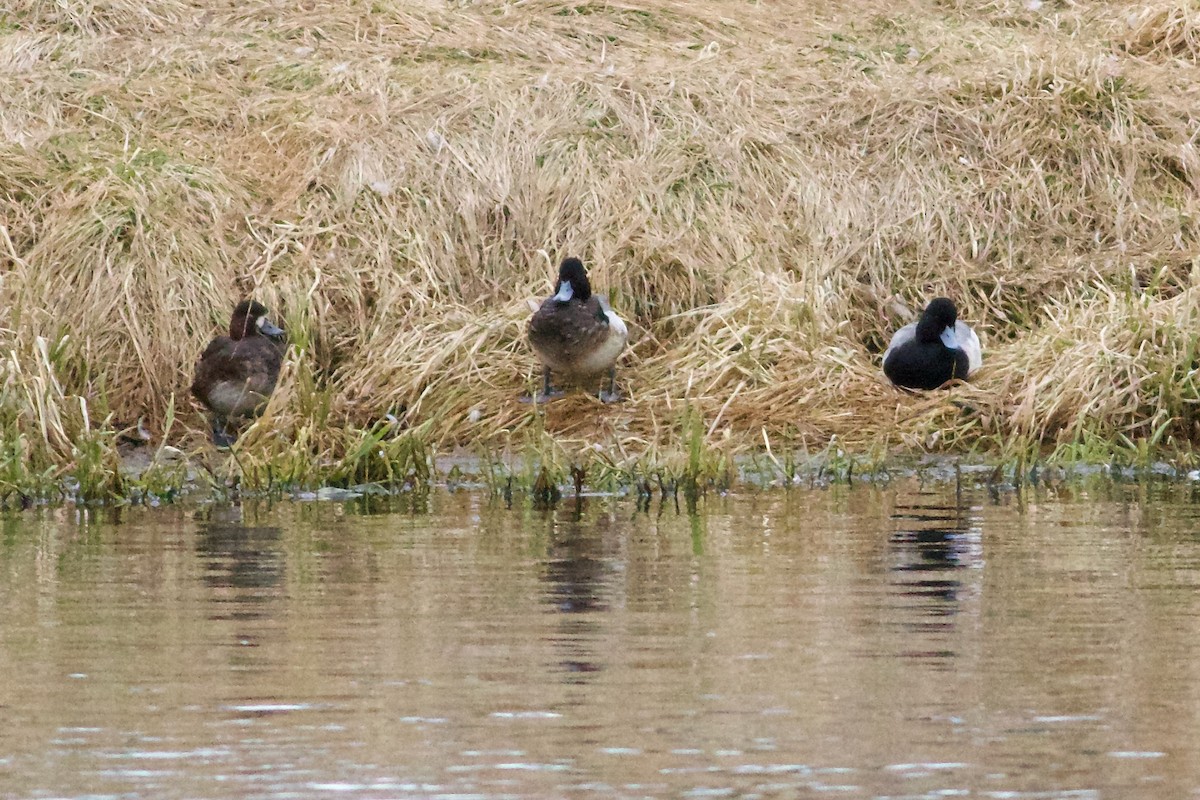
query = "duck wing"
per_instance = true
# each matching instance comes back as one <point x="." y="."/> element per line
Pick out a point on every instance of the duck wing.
<point x="214" y="366"/>
<point x="573" y="329"/>
<point x="253" y="362"/>
<point x="901" y="337"/>
<point x="968" y="340"/>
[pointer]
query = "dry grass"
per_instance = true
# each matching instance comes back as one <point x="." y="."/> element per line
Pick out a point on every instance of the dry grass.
<point x="765" y="190"/>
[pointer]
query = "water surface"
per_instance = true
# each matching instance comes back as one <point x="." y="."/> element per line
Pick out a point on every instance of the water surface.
<point x="858" y="642"/>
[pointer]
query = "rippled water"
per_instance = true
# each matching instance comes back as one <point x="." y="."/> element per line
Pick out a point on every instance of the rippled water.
<point x="847" y="642"/>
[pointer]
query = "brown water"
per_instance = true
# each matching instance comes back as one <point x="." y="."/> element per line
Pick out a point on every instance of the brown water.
<point x="847" y="642"/>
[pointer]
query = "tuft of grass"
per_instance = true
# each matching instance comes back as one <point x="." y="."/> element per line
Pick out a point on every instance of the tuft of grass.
<point x="49" y="445"/>
<point x="1164" y="31"/>
<point x="386" y="456"/>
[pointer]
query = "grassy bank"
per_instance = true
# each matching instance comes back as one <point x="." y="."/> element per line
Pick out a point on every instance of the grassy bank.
<point x="765" y="191"/>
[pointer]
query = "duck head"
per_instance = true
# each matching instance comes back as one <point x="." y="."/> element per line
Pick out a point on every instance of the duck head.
<point x="250" y="319"/>
<point x="937" y="323"/>
<point x="572" y="282"/>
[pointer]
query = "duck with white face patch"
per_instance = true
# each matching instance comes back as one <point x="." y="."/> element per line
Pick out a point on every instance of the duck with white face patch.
<point x="576" y="334"/>
<point x="237" y="373"/>
<point x="934" y="350"/>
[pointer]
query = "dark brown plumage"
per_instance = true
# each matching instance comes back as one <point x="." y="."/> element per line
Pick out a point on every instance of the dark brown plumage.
<point x="237" y="373"/>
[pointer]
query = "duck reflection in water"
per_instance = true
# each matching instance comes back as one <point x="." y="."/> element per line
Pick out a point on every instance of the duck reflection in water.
<point x="576" y="572"/>
<point x="927" y="556"/>
<point x="243" y="564"/>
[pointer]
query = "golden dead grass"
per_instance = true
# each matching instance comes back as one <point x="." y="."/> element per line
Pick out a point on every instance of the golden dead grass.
<point x="765" y="190"/>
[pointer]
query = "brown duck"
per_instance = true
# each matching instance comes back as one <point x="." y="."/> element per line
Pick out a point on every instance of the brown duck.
<point x="237" y="373"/>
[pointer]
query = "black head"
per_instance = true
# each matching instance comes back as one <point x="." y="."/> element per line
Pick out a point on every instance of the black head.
<point x="572" y="273"/>
<point x="250" y="319"/>
<point x="938" y="315"/>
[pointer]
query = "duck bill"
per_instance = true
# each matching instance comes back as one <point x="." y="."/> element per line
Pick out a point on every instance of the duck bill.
<point x="267" y="328"/>
<point x="565" y="292"/>
<point x="949" y="339"/>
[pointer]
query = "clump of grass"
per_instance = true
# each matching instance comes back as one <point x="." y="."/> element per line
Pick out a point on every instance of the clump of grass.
<point x="1115" y="362"/>
<point x="385" y="455"/>
<point x="540" y="467"/>
<point x="705" y="467"/>
<point x="167" y="476"/>
<point x="49" y="444"/>
<point x="1170" y="30"/>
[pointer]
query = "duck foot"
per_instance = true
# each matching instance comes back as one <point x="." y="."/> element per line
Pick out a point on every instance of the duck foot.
<point x="547" y="393"/>
<point x="221" y="437"/>
<point x="611" y="395"/>
<point x="543" y="397"/>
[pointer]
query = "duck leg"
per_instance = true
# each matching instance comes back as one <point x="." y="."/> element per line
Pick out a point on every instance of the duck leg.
<point x="612" y="395"/>
<point x="220" y="432"/>
<point x="547" y="393"/>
